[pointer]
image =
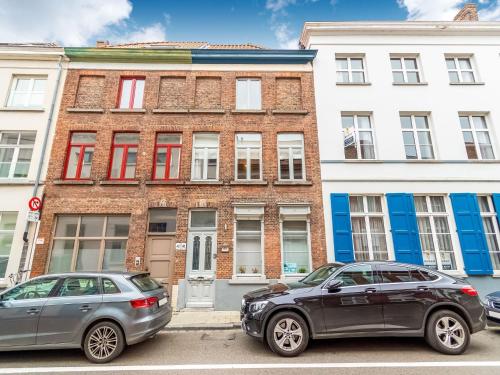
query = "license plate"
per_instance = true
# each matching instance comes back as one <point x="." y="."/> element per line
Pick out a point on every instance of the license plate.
<point x="162" y="301"/>
<point x="494" y="314"/>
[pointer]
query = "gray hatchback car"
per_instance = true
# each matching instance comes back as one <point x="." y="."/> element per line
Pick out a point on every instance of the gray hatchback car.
<point x="100" y="313"/>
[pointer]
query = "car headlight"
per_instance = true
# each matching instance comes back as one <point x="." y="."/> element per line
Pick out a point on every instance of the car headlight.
<point x="243" y="303"/>
<point x="257" y="306"/>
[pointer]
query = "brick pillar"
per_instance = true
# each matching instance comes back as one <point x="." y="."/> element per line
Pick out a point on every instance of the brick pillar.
<point x="467" y="13"/>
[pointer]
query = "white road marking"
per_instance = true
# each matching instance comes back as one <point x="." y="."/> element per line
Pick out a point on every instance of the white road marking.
<point x="246" y="366"/>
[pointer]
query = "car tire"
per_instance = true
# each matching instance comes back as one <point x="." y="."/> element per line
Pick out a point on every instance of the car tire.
<point x="287" y="334"/>
<point x="447" y="332"/>
<point x="103" y="342"/>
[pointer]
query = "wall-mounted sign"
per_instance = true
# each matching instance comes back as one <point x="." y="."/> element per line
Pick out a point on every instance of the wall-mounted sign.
<point x="180" y="246"/>
<point x="40" y="241"/>
<point x="33" y="216"/>
<point x="35" y="204"/>
<point x="290" y="267"/>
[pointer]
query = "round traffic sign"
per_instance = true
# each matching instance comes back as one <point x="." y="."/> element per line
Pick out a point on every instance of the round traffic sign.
<point x="35" y="204"/>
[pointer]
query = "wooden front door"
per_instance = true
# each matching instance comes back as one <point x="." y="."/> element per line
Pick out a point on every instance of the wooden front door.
<point x="160" y="258"/>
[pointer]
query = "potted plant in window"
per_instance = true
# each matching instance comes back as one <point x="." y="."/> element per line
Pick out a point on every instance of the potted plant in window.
<point x="242" y="269"/>
<point x="255" y="270"/>
<point x="302" y="270"/>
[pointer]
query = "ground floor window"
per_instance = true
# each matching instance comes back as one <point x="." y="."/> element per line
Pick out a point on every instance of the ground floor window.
<point x="7" y="227"/>
<point x="89" y="243"/>
<point x="295" y="234"/>
<point x="368" y="228"/>
<point x="248" y="250"/>
<point x="490" y="224"/>
<point x="434" y="232"/>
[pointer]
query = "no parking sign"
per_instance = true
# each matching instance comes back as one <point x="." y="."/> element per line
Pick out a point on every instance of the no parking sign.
<point x="35" y="204"/>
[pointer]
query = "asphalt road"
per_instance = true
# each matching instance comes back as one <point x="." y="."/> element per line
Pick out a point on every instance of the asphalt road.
<point x="231" y="352"/>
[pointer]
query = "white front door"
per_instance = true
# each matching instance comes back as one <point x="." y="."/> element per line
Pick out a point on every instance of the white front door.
<point x="201" y="258"/>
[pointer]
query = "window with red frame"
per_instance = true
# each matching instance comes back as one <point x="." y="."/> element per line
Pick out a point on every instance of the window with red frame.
<point x="80" y="154"/>
<point x="167" y="156"/>
<point x="131" y="93"/>
<point x="123" y="156"/>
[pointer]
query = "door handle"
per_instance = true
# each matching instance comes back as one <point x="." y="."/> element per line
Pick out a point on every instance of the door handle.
<point x="370" y="290"/>
<point x="422" y="287"/>
<point x="33" y="311"/>
<point x="85" y="308"/>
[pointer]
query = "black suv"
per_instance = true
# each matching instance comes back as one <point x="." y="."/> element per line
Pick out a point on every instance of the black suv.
<point x="369" y="299"/>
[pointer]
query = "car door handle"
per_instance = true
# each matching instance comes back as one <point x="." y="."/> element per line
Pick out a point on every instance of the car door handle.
<point x="422" y="287"/>
<point x="33" y="311"/>
<point x="370" y="290"/>
<point x="85" y="308"/>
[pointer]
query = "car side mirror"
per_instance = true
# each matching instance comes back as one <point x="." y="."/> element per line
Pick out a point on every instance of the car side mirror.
<point x="334" y="286"/>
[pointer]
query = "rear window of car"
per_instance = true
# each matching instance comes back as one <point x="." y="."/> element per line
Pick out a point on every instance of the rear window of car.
<point x="109" y="287"/>
<point x="145" y="283"/>
<point x="422" y="275"/>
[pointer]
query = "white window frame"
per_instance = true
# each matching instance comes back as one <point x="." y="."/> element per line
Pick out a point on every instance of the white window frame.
<point x="474" y="132"/>
<point x="356" y="133"/>
<point x="241" y="217"/>
<point x="8" y="231"/>
<point x="350" y="70"/>
<point x="492" y="214"/>
<point x="415" y="132"/>
<point x="247" y="150"/>
<point x="290" y="159"/>
<point x="405" y="70"/>
<point x="29" y="91"/>
<point x="459" y="70"/>
<point x="247" y="105"/>
<point x="301" y="216"/>
<point x="203" y="229"/>
<point x="205" y="158"/>
<point x="367" y="215"/>
<point x="17" y="147"/>
<point x="452" y="233"/>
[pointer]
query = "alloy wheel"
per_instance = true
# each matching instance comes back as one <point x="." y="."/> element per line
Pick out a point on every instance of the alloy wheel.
<point x="450" y="332"/>
<point x="288" y="334"/>
<point x="103" y="342"/>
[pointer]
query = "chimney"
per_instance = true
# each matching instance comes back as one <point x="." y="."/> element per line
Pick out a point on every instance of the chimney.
<point x="101" y="43"/>
<point x="467" y="13"/>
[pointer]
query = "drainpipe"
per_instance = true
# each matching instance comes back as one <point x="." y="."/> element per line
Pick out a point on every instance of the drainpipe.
<point x="42" y="159"/>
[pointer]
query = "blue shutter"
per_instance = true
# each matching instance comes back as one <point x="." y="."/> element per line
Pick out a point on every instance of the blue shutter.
<point x="342" y="232"/>
<point x="496" y="203"/>
<point x="471" y="234"/>
<point x="404" y="228"/>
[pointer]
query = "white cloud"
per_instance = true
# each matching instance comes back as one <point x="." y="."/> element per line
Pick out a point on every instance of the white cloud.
<point x="71" y="22"/>
<point x="278" y="5"/>
<point x="285" y="36"/>
<point x="435" y="10"/>
<point x="153" y="33"/>
<point x="491" y="12"/>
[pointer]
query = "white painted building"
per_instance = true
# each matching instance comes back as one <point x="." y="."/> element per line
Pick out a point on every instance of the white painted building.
<point x="29" y="77"/>
<point x="409" y="130"/>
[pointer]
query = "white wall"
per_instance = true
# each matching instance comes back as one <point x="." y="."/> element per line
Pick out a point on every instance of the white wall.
<point x="451" y="171"/>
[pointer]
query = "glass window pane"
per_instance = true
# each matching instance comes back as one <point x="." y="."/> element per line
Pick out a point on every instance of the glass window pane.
<point x="255" y="95"/>
<point x="162" y="220"/>
<point x="406" y="122"/>
<point x="426" y="152"/>
<point x="87" y="162"/>
<point x="468" y="76"/>
<point x="9" y="138"/>
<point x="348" y="122"/>
<point x="241" y="94"/>
<point x="450" y="63"/>
<point x="479" y="122"/>
<point x="342" y="77"/>
<point x="139" y="93"/>
<point x="408" y="138"/>
<point x="356" y="63"/>
<point x="421" y="204"/>
<point x="85" y="138"/>
<point x="117" y="226"/>
<point x="212" y="164"/>
<point x="358" y="77"/>
<point x="464" y="122"/>
<point x="364" y="122"/>
<point x="131" y="163"/>
<point x="411" y="64"/>
<point x="294" y="225"/>
<point x="126" y="91"/>
<point x="398" y="77"/>
<point x="464" y="63"/>
<point x="284" y="164"/>
<point x="357" y="275"/>
<point x="342" y="64"/>
<point x="91" y="226"/>
<point x="453" y="77"/>
<point x="206" y="140"/>
<point x="421" y="122"/>
<point x="116" y="166"/>
<point x="114" y="255"/>
<point x="374" y="204"/>
<point x="88" y="255"/>
<point x="248" y="255"/>
<point x="248" y="139"/>
<point x="395" y="274"/>
<point x="356" y="203"/>
<point x="203" y="219"/>
<point x="295" y="253"/>
<point x="396" y="64"/>
<point x="5" y="243"/>
<point x="437" y="204"/>
<point x="161" y="160"/>
<point x="297" y="164"/>
<point x="8" y="220"/>
<point x="39" y="84"/>
<point x="484" y="206"/>
<point x="27" y="138"/>
<point x="413" y="77"/>
<point x="166" y="138"/>
<point x="290" y="139"/>
<point x="61" y="256"/>
<point x="82" y="286"/>
<point x="126" y="138"/>
<point x="411" y="152"/>
<point x="66" y="226"/>
<point x="175" y="155"/>
<point x="424" y="138"/>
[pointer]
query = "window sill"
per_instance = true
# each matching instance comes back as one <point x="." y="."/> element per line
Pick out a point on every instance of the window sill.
<point x="201" y="182"/>
<point x="467" y="83"/>
<point x="292" y="277"/>
<point x="85" y="110"/>
<point x="291" y="183"/>
<point x="119" y="182"/>
<point x="16" y="181"/>
<point x="73" y="182"/>
<point x="243" y="182"/>
<point x="410" y="84"/>
<point x="22" y="109"/>
<point x="290" y="112"/>
<point x="249" y="280"/>
<point x="169" y="110"/>
<point x="126" y="110"/>
<point x="353" y="84"/>
<point x="248" y="111"/>
<point x="165" y="182"/>
<point x="219" y="111"/>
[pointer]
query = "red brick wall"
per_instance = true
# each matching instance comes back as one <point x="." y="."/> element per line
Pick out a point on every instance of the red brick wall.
<point x="136" y="199"/>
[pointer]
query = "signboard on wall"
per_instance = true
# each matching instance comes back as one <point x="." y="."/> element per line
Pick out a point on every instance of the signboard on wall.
<point x="290" y="267"/>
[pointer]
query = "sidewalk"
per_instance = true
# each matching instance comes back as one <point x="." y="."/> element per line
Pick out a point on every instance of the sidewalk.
<point x="204" y="320"/>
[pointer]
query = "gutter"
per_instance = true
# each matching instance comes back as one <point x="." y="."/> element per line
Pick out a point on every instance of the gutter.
<point x="42" y="159"/>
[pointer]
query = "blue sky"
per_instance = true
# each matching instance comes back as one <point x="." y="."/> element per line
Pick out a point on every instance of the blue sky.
<point x="271" y="23"/>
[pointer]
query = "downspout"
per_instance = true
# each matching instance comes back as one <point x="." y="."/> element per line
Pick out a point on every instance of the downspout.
<point x="42" y="156"/>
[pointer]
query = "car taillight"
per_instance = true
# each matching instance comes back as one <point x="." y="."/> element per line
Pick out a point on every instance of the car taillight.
<point x="143" y="303"/>
<point x="469" y="290"/>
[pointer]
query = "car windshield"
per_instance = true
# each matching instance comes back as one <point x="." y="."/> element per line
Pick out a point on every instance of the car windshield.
<point x="321" y="274"/>
<point x="145" y="283"/>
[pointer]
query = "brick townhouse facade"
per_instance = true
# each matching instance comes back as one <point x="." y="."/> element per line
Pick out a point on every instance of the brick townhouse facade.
<point x="198" y="165"/>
